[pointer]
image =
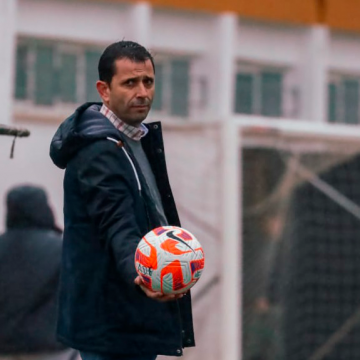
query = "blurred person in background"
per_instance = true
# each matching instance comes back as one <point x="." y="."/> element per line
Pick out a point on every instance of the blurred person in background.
<point x="30" y="255"/>
<point x="116" y="190"/>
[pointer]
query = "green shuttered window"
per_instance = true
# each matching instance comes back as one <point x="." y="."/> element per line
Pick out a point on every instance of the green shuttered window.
<point x="332" y="103"/>
<point x="271" y="94"/>
<point x="172" y="86"/>
<point x="244" y="93"/>
<point x="344" y="99"/>
<point x="21" y="83"/>
<point x="351" y="101"/>
<point x="259" y="92"/>
<point x="54" y="73"/>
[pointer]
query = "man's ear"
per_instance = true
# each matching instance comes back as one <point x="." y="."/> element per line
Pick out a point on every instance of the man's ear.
<point x="103" y="89"/>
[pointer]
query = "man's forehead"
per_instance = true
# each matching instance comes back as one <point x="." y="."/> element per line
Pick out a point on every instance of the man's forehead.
<point x="127" y="66"/>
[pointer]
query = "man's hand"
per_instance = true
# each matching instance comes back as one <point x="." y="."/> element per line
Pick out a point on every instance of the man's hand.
<point x="156" y="295"/>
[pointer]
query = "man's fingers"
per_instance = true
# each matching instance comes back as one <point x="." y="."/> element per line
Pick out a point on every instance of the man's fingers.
<point x="150" y="293"/>
<point x="138" y="280"/>
<point x="156" y="295"/>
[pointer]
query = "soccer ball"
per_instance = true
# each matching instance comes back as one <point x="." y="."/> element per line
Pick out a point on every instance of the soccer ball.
<point x="169" y="260"/>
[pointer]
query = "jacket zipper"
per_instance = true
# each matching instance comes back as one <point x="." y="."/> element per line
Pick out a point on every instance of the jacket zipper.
<point x="136" y="176"/>
<point x="131" y="162"/>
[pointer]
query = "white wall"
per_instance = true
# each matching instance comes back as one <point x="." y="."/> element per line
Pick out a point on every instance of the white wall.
<point x="75" y="21"/>
<point x="31" y="164"/>
<point x="7" y="37"/>
<point x="181" y="31"/>
<point x="345" y="53"/>
<point x="270" y="43"/>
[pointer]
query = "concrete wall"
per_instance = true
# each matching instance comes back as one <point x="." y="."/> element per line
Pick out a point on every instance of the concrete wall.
<point x="31" y="165"/>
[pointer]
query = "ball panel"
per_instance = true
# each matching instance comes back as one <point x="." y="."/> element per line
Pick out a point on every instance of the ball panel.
<point x="148" y="258"/>
<point x="174" y="268"/>
<point x="174" y="247"/>
<point x="147" y="281"/>
<point x="185" y="268"/>
<point x="197" y="267"/>
<point x="185" y="235"/>
<point x="160" y="230"/>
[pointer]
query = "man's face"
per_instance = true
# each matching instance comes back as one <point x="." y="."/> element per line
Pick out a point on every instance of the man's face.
<point x="130" y="93"/>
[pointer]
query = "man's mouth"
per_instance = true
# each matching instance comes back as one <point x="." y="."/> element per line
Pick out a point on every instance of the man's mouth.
<point x="141" y="107"/>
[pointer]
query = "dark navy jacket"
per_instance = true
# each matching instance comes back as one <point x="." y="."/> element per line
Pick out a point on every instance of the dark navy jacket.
<point x="106" y="215"/>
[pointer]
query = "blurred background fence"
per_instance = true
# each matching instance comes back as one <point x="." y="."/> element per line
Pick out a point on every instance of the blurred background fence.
<point x="298" y="197"/>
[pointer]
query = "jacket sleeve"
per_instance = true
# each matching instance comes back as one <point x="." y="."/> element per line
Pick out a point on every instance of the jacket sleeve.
<point x="107" y="184"/>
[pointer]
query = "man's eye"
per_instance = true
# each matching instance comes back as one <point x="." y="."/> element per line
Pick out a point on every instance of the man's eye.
<point x="130" y="82"/>
<point x="149" y="81"/>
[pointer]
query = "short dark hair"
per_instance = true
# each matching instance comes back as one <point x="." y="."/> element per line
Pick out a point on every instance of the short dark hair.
<point x="121" y="50"/>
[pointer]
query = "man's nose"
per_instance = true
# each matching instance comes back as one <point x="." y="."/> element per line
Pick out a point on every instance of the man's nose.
<point x="141" y="91"/>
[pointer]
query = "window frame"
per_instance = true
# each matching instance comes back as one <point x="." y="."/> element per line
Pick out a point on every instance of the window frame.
<point x="338" y="79"/>
<point x="79" y="50"/>
<point x="59" y="48"/>
<point x="256" y="70"/>
<point x="166" y="61"/>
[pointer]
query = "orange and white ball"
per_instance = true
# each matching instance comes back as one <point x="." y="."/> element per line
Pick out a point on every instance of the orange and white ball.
<point x="169" y="259"/>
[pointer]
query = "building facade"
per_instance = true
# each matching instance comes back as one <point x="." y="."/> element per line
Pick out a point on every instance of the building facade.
<point x="215" y="61"/>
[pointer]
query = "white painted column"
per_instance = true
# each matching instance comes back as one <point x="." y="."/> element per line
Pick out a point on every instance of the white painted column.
<point x="231" y="273"/>
<point x="7" y="57"/>
<point x="223" y="89"/>
<point x="222" y="62"/>
<point x="140" y="21"/>
<point x="315" y="67"/>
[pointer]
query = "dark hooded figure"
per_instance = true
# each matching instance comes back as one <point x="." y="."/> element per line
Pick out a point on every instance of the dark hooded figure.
<point x="30" y="255"/>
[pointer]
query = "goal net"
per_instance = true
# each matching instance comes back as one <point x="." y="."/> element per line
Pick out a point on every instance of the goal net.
<point x="299" y="217"/>
<point x="301" y="223"/>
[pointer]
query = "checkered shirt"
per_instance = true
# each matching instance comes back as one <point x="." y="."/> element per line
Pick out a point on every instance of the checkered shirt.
<point x="135" y="133"/>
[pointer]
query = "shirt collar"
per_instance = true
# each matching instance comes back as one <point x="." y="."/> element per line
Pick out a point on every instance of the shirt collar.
<point x="135" y="133"/>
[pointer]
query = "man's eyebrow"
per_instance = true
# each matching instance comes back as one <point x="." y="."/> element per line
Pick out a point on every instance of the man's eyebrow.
<point x="137" y="78"/>
<point x="148" y="77"/>
<point x="130" y="79"/>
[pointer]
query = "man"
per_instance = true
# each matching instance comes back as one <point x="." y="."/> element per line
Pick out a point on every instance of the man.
<point x="30" y="255"/>
<point x="116" y="190"/>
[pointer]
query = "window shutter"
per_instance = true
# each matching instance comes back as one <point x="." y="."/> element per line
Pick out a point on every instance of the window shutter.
<point x="180" y="86"/>
<point x="271" y="94"/>
<point x="44" y="75"/>
<point x="244" y="93"/>
<point x="332" y="103"/>
<point x="351" y="101"/>
<point x="67" y="78"/>
<point x="21" y="72"/>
